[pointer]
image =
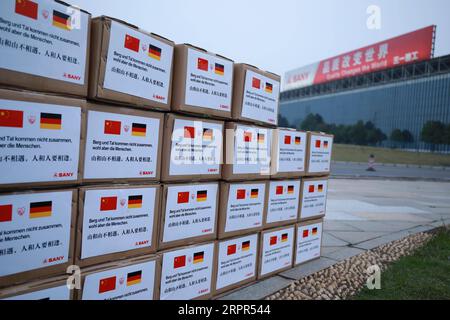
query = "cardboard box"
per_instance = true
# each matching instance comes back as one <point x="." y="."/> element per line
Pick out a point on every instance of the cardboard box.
<point x="202" y="82"/>
<point x="48" y="289"/>
<point x="276" y="251"/>
<point x="37" y="233"/>
<point x="116" y="222"/>
<point x="313" y="198"/>
<point x="39" y="139"/>
<point x="288" y="153"/>
<point x="236" y="263"/>
<point x="318" y="160"/>
<point x="189" y="214"/>
<point x="135" y="138"/>
<point x="47" y="48"/>
<point x="192" y="149"/>
<point x="187" y="272"/>
<point x="247" y="152"/>
<point x="282" y="201"/>
<point x="256" y="95"/>
<point x="308" y="244"/>
<point x="129" y="65"/>
<point x="132" y="279"/>
<point x="242" y="208"/>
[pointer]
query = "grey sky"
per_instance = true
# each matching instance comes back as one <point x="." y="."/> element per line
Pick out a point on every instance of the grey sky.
<point x="278" y="35"/>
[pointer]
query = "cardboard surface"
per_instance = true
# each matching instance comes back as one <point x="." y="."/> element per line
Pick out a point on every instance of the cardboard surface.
<point x="313" y="198"/>
<point x="276" y="251"/>
<point x="288" y="153"/>
<point x="240" y="202"/>
<point x="130" y="279"/>
<point x="308" y="241"/>
<point x="256" y="95"/>
<point x="115" y="206"/>
<point x="193" y="218"/>
<point x="191" y="159"/>
<point x="63" y="51"/>
<point x="48" y="289"/>
<point x="137" y="73"/>
<point x="51" y="248"/>
<point x="245" y="156"/>
<point x="185" y="268"/>
<point x="282" y="203"/>
<point x="56" y="161"/>
<point x="319" y="150"/>
<point x="216" y="101"/>
<point x="119" y="123"/>
<point x="236" y="263"/>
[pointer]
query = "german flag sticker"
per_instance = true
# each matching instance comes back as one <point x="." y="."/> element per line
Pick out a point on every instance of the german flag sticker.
<point x="51" y="121"/>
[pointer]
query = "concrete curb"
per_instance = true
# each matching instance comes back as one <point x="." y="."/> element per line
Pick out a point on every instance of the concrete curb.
<point x="396" y="165"/>
<point x="267" y="287"/>
<point x="387" y="178"/>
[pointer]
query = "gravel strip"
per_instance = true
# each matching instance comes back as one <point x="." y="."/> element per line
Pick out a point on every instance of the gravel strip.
<point x="347" y="277"/>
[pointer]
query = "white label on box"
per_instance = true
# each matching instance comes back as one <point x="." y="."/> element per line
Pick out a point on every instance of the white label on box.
<point x="121" y="146"/>
<point x="309" y="239"/>
<point x="209" y="81"/>
<point x="116" y="220"/>
<point x="190" y="211"/>
<point x="138" y="64"/>
<point x="291" y="151"/>
<point x="196" y="147"/>
<point x="236" y="260"/>
<point x="35" y="231"/>
<point x="245" y="206"/>
<point x="133" y="282"/>
<point x="251" y="150"/>
<point x="38" y="142"/>
<point x="314" y="198"/>
<point x="55" y="293"/>
<point x="283" y="201"/>
<point x="277" y="250"/>
<point x="320" y="153"/>
<point x="260" y="101"/>
<point x="41" y="33"/>
<point x="187" y="273"/>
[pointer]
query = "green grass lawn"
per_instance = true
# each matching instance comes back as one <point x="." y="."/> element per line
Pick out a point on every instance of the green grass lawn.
<point x="351" y="153"/>
<point x="423" y="275"/>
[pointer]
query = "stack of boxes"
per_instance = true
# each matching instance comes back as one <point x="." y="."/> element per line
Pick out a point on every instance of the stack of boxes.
<point x="141" y="168"/>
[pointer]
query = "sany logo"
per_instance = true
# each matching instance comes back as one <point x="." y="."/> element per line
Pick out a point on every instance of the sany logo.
<point x="299" y="77"/>
<point x="63" y="174"/>
<point x="141" y="243"/>
<point x="53" y="259"/>
<point x="71" y="76"/>
<point x="145" y="173"/>
<point x="158" y="97"/>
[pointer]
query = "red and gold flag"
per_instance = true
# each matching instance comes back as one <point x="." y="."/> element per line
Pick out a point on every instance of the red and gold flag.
<point x="11" y="118"/>
<point x="231" y="249"/>
<point x="108" y="203"/>
<point x="27" y="8"/>
<point x="273" y="240"/>
<point x="202" y="64"/>
<point x="107" y="284"/>
<point x="279" y="190"/>
<point x="189" y="132"/>
<point x="132" y="43"/>
<point x="240" y="194"/>
<point x="112" y="127"/>
<point x="183" y="197"/>
<point x="179" y="262"/>
<point x="6" y="211"/>
<point x="256" y="83"/>
<point x="311" y="188"/>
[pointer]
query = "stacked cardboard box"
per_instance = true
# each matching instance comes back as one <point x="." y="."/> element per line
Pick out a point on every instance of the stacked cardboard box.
<point x="186" y="204"/>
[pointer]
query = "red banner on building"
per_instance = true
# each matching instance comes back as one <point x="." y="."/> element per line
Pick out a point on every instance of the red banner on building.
<point x="408" y="48"/>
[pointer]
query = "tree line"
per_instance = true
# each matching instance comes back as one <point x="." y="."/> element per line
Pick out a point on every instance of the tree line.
<point x="366" y="133"/>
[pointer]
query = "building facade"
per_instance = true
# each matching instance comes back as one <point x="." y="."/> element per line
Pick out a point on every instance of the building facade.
<point x="402" y="98"/>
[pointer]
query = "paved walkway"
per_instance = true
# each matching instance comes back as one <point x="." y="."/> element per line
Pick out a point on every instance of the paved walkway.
<point x="339" y="169"/>
<point x="361" y="215"/>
